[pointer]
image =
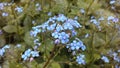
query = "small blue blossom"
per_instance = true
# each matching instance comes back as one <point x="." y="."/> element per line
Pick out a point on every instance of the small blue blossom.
<point x="6" y="46"/>
<point x="1" y="6"/>
<point x="81" y="59"/>
<point x="74" y="32"/>
<point x="55" y="34"/>
<point x="26" y="55"/>
<point x="35" y="53"/>
<point x="101" y="19"/>
<point x="2" y="51"/>
<point x="35" y="47"/>
<point x="105" y="59"/>
<point x="82" y="11"/>
<point x="1" y="32"/>
<point x="61" y="18"/>
<point x="117" y="58"/>
<point x="67" y="26"/>
<point x="74" y="23"/>
<point x="29" y="53"/>
<point x="117" y="66"/>
<point x="19" y="9"/>
<point x="51" y="27"/>
<point x="59" y="28"/>
<point x="37" y="4"/>
<point x="4" y="14"/>
<point x="76" y="17"/>
<point x="33" y="22"/>
<point x="76" y="45"/>
<point x="94" y="21"/>
<point x="87" y="35"/>
<point x="38" y="7"/>
<point x="115" y="20"/>
<point x="49" y="13"/>
<point x="112" y="1"/>
<point x="119" y="50"/>
<point x="18" y="45"/>
<point x="110" y="18"/>
<point x="36" y="42"/>
<point x="64" y="38"/>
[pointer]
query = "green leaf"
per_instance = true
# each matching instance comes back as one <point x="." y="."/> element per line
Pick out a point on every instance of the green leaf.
<point x="2" y="40"/>
<point x="15" y="65"/>
<point x="55" y="65"/>
<point x="28" y="39"/>
<point x="10" y="29"/>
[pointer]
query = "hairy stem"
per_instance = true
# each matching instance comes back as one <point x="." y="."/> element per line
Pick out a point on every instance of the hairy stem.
<point x="51" y="56"/>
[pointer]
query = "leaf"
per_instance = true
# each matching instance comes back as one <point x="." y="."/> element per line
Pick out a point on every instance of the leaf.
<point x="2" y="40"/>
<point x="28" y="39"/>
<point x="10" y="29"/>
<point x="15" y="65"/>
<point x="55" y="65"/>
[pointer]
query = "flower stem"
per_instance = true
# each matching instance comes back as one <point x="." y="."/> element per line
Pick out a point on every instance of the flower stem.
<point x="51" y="56"/>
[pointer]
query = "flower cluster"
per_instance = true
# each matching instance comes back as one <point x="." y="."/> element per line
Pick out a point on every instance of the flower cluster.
<point x="29" y="53"/>
<point x="2" y="50"/>
<point x="56" y="23"/>
<point x="63" y="37"/>
<point x="115" y="55"/>
<point x="81" y="59"/>
<point x="62" y="29"/>
<point x="76" y="45"/>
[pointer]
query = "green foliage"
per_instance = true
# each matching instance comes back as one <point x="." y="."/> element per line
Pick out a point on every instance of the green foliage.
<point x="16" y="29"/>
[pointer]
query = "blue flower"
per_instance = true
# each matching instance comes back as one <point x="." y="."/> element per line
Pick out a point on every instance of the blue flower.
<point x="76" y="45"/>
<point x="74" y="32"/>
<point x="1" y="32"/>
<point x="55" y="34"/>
<point x="80" y="59"/>
<point x="51" y="27"/>
<point x="82" y="11"/>
<point x="35" y="53"/>
<point x="105" y="59"/>
<point x="87" y="35"/>
<point x="67" y="26"/>
<point x="6" y="46"/>
<point x="19" y="9"/>
<point x="61" y="18"/>
<point x="2" y="51"/>
<point x="94" y="21"/>
<point x="64" y="38"/>
<point x="4" y="14"/>
<point x="74" y="23"/>
<point x="49" y="13"/>
<point x="18" y="45"/>
<point x="1" y="6"/>
<point x="59" y="28"/>
<point x="28" y="52"/>
<point x="76" y="17"/>
<point x="112" y="2"/>
<point x="24" y="57"/>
